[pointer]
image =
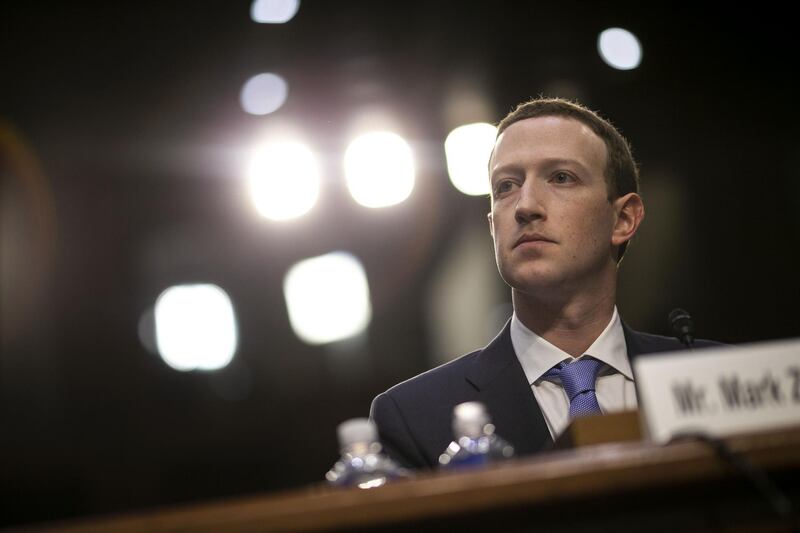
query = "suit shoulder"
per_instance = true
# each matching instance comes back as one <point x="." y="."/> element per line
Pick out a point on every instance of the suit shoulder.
<point x="663" y="343"/>
<point x="442" y="377"/>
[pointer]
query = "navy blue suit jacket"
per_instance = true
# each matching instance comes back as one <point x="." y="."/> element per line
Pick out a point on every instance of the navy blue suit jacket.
<point x="414" y="418"/>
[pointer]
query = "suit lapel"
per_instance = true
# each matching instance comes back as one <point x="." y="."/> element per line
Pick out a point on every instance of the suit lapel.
<point x="640" y="343"/>
<point x="633" y="342"/>
<point x="502" y="386"/>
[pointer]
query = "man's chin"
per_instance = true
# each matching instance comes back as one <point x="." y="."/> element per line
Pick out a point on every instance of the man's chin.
<point x="535" y="282"/>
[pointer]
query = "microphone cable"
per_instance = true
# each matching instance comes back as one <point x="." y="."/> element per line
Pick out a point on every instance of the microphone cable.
<point x="756" y="476"/>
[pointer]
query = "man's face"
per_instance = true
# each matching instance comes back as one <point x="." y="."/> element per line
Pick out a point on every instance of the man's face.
<point x="551" y="218"/>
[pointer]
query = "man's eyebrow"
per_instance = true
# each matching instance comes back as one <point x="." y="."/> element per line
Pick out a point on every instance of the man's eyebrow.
<point x="546" y="163"/>
<point x="513" y="168"/>
<point x="555" y="161"/>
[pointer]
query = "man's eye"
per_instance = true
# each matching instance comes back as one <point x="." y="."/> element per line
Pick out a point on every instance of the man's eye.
<point x="562" y="177"/>
<point x="503" y="186"/>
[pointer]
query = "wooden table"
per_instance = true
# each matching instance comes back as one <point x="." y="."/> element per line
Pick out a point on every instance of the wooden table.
<point x="611" y="487"/>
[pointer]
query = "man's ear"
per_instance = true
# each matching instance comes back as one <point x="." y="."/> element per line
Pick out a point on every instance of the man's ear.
<point x="628" y="215"/>
<point x="491" y="224"/>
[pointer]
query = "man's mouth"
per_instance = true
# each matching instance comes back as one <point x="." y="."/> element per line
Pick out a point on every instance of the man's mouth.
<point x="532" y="237"/>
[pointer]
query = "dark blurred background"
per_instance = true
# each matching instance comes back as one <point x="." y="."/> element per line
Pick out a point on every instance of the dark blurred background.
<point x="123" y="153"/>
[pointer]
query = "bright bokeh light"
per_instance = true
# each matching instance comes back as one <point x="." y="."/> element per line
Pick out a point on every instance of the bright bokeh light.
<point x="379" y="169"/>
<point x="195" y="327"/>
<point x="284" y="179"/>
<point x="263" y="94"/>
<point x="619" y="48"/>
<point x="327" y="298"/>
<point x="273" y="11"/>
<point x="467" y="149"/>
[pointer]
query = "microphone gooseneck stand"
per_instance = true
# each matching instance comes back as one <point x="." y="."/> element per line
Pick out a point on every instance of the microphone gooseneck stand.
<point x="682" y="327"/>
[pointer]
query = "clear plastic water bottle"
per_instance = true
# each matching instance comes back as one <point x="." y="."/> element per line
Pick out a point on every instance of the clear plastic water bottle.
<point x="476" y="443"/>
<point x="362" y="464"/>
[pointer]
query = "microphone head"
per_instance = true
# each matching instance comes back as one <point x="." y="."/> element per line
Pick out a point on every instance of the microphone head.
<point x="678" y="314"/>
<point x="682" y="325"/>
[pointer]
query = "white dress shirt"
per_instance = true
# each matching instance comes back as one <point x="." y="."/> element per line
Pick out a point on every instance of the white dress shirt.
<point x="614" y="387"/>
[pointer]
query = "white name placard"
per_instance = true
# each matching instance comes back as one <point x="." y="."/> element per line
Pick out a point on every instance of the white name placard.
<point x="720" y="391"/>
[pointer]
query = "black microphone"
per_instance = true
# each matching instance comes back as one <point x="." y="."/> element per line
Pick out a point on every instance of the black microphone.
<point x="682" y="326"/>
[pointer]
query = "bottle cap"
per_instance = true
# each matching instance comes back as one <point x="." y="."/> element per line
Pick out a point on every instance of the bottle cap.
<point x="469" y="419"/>
<point x="356" y="430"/>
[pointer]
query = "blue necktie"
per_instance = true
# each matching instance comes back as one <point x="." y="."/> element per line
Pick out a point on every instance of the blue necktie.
<point x="578" y="379"/>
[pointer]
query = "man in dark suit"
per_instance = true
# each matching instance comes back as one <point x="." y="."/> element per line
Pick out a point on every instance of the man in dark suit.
<point x="564" y="205"/>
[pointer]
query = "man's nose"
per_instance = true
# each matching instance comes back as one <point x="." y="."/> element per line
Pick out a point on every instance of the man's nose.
<point x="529" y="206"/>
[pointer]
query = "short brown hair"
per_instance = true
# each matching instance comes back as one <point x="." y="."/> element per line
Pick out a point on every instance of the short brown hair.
<point x="621" y="173"/>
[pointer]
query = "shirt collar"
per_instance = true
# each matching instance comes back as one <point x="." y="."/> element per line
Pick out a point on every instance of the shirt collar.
<point x="537" y="355"/>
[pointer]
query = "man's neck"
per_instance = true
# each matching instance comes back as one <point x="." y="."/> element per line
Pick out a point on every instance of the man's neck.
<point x="571" y="324"/>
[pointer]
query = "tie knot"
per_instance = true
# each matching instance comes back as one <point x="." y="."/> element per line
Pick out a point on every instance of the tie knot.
<point x="577" y="376"/>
